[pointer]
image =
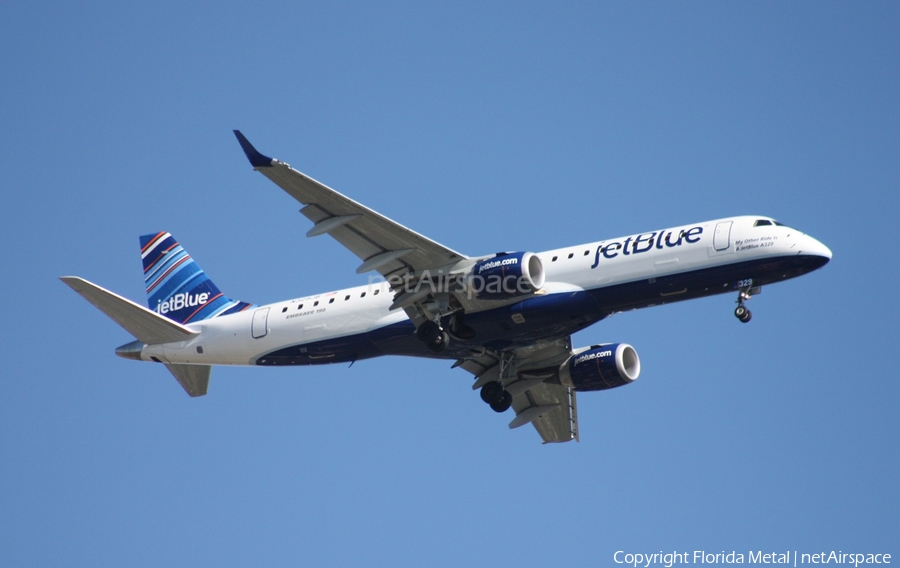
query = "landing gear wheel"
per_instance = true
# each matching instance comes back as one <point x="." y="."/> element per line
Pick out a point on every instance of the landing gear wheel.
<point x="503" y="404"/>
<point x="441" y="341"/>
<point x="492" y="392"/>
<point x="428" y="332"/>
<point x="742" y="314"/>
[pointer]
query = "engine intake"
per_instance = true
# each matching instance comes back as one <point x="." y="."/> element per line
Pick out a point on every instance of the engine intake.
<point x="601" y="367"/>
<point x="506" y="276"/>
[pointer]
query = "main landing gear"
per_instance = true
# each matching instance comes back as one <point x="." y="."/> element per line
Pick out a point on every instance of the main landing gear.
<point x="437" y="329"/>
<point x="434" y="338"/>
<point x="499" y="399"/>
<point x="493" y="392"/>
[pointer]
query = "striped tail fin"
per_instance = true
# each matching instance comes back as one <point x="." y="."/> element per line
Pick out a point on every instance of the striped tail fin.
<point x="177" y="287"/>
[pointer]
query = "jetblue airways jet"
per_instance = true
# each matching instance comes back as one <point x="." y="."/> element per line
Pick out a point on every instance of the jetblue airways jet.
<point x="506" y="318"/>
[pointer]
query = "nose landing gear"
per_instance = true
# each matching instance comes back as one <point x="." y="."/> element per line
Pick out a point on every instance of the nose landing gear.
<point x="742" y="314"/>
<point x="745" y="292"/>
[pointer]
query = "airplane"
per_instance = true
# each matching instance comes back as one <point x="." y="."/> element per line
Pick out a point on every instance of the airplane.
<point x="506" y="318"/>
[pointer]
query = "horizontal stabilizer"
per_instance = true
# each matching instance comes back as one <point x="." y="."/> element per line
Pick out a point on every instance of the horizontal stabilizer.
<point x="193" y="378"/>
<point x="148" y="327"/>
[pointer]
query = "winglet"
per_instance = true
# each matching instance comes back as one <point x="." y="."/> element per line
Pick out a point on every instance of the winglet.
<point x="257" y="160"/>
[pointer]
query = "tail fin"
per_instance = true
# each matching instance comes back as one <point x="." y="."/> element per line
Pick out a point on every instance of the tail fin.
<point x="176" y="286"/>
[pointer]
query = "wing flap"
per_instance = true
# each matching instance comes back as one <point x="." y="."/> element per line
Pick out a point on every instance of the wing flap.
<point x="551" y="409"/>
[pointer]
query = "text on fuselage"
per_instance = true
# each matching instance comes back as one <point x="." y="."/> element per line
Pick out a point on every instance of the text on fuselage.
<point x="646" y="242"/>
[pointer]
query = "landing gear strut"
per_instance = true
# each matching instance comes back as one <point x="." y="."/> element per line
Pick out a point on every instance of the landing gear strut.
<point x="492" y="392"/>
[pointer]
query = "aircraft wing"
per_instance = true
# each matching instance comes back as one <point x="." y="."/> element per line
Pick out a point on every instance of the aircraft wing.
<point x="551" y="408"/>
<point x="394" y="250"/>
<point x="382" y="245"/>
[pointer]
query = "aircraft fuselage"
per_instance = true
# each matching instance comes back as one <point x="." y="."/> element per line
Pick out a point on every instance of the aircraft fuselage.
<point x="584" y="284"/>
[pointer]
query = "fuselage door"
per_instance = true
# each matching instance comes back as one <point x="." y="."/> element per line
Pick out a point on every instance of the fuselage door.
<point x="259" y="325"/>
<point x="722" y="236"/>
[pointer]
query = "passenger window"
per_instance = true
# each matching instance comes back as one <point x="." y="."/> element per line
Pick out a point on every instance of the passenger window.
<point x="284" y="309"/>
<point x="300" y="307"/>
<point x="316" y="303"/>
<point x="331" y="301"/>
<point x="363" y="295"/>
<point x="376" y="291"/>
<point x="571" y="254"/>
<point x="347" y="297"/>
<point x="553" y="259"/>
<point x="587" y="252"/>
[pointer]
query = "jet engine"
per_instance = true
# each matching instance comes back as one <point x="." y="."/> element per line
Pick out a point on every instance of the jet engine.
<point x="506" y="275"/>
<point x="600" y="367"/>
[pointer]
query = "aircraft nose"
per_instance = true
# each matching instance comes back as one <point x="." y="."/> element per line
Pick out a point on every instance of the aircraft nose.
<point x="820" y="249"/>
<point x="813" y="247"/>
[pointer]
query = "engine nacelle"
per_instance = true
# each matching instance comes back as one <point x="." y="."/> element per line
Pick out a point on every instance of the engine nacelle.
<point x="601" y="367"/>
<point x="506" y="276"/>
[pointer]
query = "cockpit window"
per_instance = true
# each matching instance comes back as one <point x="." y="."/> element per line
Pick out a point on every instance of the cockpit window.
<point x="762" y="222"/>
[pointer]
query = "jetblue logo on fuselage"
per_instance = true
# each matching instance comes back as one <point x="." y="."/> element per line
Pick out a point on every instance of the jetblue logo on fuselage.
<point x="646" y="242"/>
<point x="179" y="301"/>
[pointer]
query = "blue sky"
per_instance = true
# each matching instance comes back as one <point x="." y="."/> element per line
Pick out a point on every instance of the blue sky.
<point x="500" y="126"/>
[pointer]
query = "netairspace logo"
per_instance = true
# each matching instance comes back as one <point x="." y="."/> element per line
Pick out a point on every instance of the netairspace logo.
<point x="787" y="558"/>
<point x="473" y="286"/>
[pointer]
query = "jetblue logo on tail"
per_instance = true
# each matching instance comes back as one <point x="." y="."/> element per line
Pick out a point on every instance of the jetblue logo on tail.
<point x="179" y="301"/>
<point x="176" y="286"/>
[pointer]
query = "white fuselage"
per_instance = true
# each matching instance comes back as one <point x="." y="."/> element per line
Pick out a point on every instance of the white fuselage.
<point x="243" y="338"/>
